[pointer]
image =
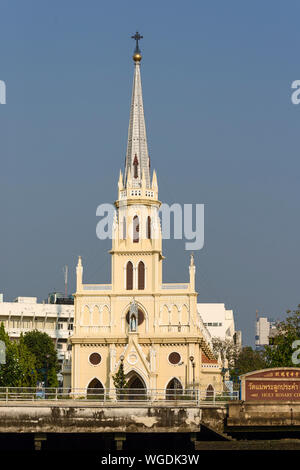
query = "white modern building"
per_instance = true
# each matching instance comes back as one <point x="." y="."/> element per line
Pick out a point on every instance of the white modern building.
<point x="265" y="331"/>
<point x="26" y="314"/>
<point x="219" y="322"/>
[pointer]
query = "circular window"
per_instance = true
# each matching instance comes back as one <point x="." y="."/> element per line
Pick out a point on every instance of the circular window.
<point x="140" y="317"/>
<point x="132" y="358"/>
<point x="95" y="359"/>
<point x="174" y="358"/>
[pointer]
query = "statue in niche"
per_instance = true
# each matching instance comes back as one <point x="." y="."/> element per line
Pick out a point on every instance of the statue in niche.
<point x="132" y="323"/>
<point x="133" y="315"/>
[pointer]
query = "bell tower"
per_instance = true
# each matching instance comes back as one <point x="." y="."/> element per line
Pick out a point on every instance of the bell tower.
<point x="137" y="242"/>
<point x="149" y="327"/>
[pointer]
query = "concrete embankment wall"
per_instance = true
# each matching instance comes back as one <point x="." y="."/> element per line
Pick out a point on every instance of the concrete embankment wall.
<point x="71" y="417"/>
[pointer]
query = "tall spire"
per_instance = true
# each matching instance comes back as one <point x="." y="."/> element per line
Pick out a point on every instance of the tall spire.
<point x="137" y="157"/>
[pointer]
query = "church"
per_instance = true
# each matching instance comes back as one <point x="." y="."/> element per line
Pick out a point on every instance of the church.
<point x="150" y="327"/>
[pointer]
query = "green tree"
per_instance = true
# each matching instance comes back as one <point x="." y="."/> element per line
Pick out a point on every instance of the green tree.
<point x="27" y="362"/>
<point x="19" y="370"/>
<point x="280" y="353"/>
<point x="247" y="361"/>
<point x="3" y="335"/>
<point x="119" y="378"/>
<point x="42" y="347"/>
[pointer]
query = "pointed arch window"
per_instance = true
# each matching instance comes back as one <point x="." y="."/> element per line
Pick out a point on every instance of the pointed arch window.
<point x="95" y="389"/>
<point x="124" y="228"/>
<point x="141" y="275"/>
<point x="135" y="166"/>
<point x="149" y="227"/>
<point x="174" y="389"/>
<point x="136" y="229"/>
<point x="210" y="391"/>
<point x="129" y="276"/>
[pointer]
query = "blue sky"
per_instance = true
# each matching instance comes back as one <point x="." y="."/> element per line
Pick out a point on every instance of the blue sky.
<point x="221" y="127"/>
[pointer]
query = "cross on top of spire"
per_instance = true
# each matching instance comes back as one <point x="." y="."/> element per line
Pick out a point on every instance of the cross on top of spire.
<point x="137" y="171"/>
<point x="137" y="37"/>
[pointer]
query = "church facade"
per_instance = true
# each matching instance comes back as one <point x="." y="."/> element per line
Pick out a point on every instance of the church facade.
<point x="151" y="327"/>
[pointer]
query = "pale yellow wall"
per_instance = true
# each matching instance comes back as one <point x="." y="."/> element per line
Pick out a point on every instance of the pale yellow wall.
<point x="170" y="313"/>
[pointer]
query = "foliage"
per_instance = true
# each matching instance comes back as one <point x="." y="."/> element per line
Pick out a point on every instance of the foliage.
<point x="3" y="335"/>
<point x="119" y="378"/>
<point x="247" y="361"/>
<point x="42" y="347"/>
<point x="280" y="353"/>
<point x="19" y="370"/>
<point x="227" y="350"/>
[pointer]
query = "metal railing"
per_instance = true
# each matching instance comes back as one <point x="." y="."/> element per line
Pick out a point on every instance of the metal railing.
<point x="122" y="396"/>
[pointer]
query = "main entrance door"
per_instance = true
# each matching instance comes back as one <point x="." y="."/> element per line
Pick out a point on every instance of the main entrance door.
<point x="136" y="387"/>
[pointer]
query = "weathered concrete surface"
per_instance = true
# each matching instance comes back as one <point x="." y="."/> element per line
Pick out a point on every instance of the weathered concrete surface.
<point x="214" y="417"/>
<point x="263" y="414"/>
<point x="71" y="417"/>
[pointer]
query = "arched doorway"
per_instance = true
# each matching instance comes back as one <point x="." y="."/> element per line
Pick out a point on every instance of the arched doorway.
<point x="95" y="390"/>
<point x="136" y="386"/>
<point x="174" y="389"/>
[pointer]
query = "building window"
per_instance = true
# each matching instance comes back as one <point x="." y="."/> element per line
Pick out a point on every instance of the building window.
<point x="129" y="276"/>
<point x="174" y="358"/>
<point x="95" y="359"/>
<point x="124" y="228"/>
<point x="135" y="166"/>
<point x="149" y="227"/>
<point x="95" y="389"/>
<point x="136" y="229"/>
<point x="174" y="389"/>
<point x="141" y="276"/>
<point x="210" y="392"/>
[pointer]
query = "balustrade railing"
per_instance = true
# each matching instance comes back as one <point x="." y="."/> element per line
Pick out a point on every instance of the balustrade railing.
<point x="123" y="396"/>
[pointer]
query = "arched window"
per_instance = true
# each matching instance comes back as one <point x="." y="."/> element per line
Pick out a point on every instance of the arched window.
<point x="210" y="392"/>
<point x="124" y="228"/>
<point x="136" y="229"/>
<point x="141" y="276"/>
<point x="174" y="389"/>
<point x="129" y="276"/>
<point x="95" y="389"/>
<point x="149" y="227"/>
<point x="135" y="166"/>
